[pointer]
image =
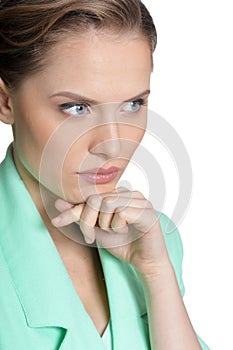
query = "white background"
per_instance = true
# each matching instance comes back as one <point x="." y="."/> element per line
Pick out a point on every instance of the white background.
<point x="192" y="90"/>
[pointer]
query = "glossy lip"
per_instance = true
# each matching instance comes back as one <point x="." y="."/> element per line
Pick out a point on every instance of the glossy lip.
<point x="100" y="175"/>
<point x="100" y="170"/>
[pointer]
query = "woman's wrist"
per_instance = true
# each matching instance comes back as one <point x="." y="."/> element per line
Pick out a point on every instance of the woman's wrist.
<point x="167" y="316"/>
<point x="151" y="274"/>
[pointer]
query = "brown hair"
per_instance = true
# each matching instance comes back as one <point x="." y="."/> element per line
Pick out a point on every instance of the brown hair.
<point x="28" y="28"/>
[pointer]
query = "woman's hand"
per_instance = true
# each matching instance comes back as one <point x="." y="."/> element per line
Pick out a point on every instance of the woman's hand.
<point x="123" y="222"/>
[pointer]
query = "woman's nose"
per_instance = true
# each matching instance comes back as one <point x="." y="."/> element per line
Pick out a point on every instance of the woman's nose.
<point x="106" y="141"/>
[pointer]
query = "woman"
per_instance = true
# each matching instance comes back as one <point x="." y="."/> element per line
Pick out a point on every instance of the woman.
<point x="84" y="264"/>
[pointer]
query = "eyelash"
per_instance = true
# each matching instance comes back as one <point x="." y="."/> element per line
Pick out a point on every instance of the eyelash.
<point x="68" y="105"/>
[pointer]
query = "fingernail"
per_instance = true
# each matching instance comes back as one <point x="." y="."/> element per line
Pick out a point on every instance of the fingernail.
<point x="56" y="221"/>
<point x="88" y="240"/>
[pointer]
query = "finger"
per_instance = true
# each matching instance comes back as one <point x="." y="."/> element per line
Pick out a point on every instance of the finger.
<point x="124" y="192"/>
<point x="68" y="217"/>
<point x="119" y="224"/>
<point x="109" y="205"/>
<point x="142" y="219"/>
<point x="90" y="213"/>
<point x="71" y="213"/>
<point x="106" y="211"/>
<point x="89" y="217"/>
<point x="62" y="205"/>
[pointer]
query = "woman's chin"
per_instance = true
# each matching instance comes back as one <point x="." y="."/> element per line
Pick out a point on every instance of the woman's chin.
<point x="77" y="196"/>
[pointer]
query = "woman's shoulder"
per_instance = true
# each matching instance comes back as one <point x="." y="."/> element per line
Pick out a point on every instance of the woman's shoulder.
<point x="174" y="246"/>
<point x="172" y="237"/>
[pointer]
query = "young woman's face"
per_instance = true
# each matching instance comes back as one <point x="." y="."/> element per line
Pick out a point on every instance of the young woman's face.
<point x="85" y="110"/>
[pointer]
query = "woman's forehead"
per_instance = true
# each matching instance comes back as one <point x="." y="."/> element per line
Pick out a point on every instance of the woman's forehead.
<point x="98" y="68"/>
<point x="101" y="50"/>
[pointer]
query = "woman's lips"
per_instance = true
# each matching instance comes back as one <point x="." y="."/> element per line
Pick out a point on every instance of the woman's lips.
<point x="100" y="175"/>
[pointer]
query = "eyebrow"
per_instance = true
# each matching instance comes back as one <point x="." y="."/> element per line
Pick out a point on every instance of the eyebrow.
<point x="77" y="97"/>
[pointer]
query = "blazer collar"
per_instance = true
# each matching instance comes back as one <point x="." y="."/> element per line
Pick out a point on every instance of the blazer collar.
<point x="127" y="303"/>
<point x="41" y="281"/>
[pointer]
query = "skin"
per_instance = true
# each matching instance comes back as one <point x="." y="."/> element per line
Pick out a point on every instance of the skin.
<point x="109" y="71"/>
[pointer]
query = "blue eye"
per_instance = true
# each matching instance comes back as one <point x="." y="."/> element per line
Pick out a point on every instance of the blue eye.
<point x="74" y="109"/>
<point x="134" y="106"/>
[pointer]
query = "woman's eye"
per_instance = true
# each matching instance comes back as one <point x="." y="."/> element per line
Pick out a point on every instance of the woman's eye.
<point x="134" y="106"/>
<point x="75" y="109"/>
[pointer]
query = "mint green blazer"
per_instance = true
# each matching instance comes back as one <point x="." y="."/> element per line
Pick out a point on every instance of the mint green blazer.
<point x="39" y="307"/>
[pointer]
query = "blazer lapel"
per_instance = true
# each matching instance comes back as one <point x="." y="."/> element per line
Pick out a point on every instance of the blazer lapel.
<point x="42" y="284"/>
<point x="127" y="303"/>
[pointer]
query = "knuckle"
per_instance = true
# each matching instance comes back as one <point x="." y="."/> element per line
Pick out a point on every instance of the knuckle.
<point x="93" y="202"/>
<point x="108" y="203"/>
<point x="120" y="211"/>
<point x="102" y="224"/>
<point x="122" y="188"/>
<point x="138" y="194"/>
<point x="108" y="199"/>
